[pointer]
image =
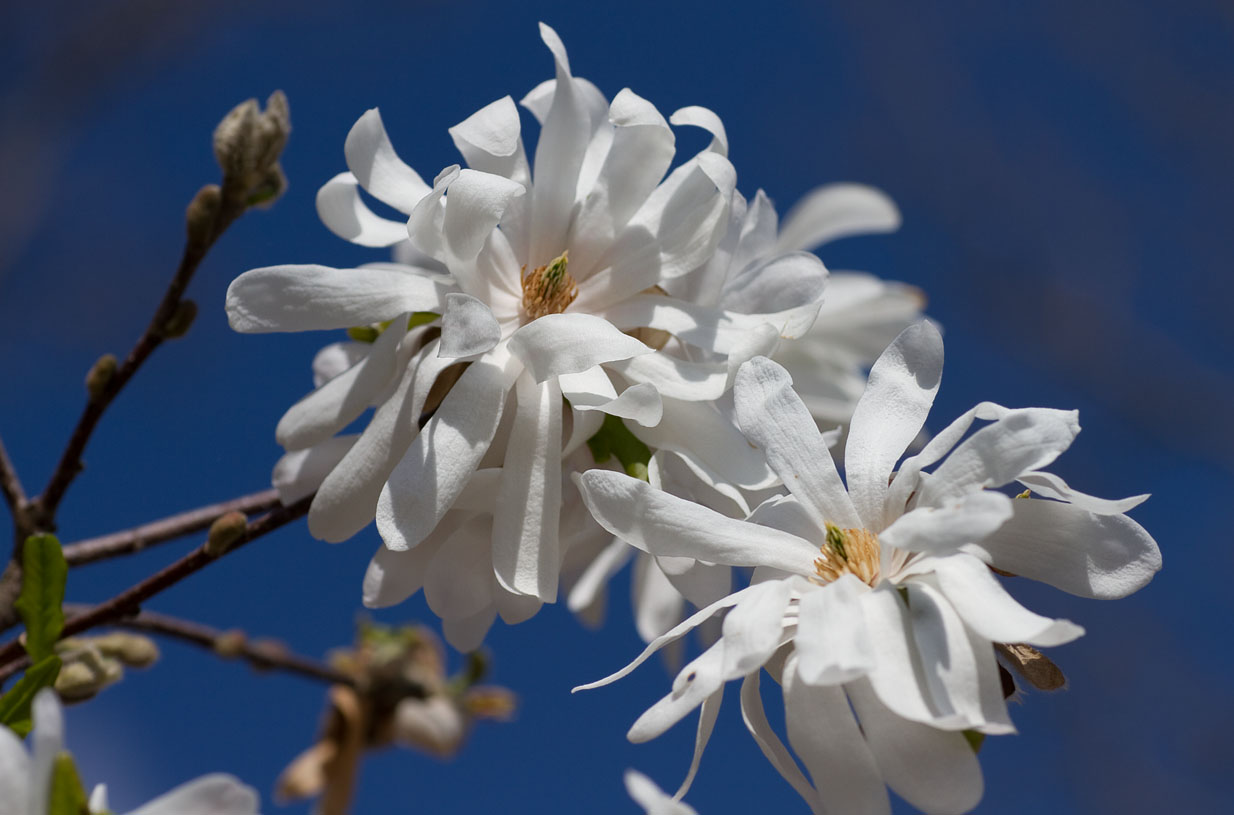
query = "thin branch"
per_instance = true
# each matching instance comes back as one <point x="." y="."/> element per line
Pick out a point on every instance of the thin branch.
<point x="128" y="602"/>
<point x="134" y="540"/>
<point x="271" y="656"/>
<point x="70" y="464"/>
<point x="10" y="484"/>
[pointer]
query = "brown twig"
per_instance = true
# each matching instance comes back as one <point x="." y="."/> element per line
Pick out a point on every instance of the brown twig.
<point x="128" y="602"/>
<point x="10" y="484"/>
<point x="262" y="656"/>
<point x="165" y="529"/>
<point x="230" y="208"/>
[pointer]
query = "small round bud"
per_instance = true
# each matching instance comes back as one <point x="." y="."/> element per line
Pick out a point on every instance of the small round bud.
<point x="133" y="650"/>
<point x="224" y="532"/>
<point x="100" y="375"/>
<point x="77" y="682"/>
<point x="202" y="211"/>
<point x="181" y="320"/>
<point x="230" y="644"/>
<point x="233" y="138"/>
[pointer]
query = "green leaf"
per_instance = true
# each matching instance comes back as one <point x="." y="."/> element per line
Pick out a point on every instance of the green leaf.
<point x="42" y="593"/>
<point x="615" y="439"/>
<point x="15" y="703"/>
<point x="68" y="797"/>
<point x="974" y="739"/>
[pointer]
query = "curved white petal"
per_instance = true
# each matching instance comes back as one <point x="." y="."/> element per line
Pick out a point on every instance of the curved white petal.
<point x="317" y="298"/>
<point x="773" y="418"/>
<point x="825" y="735"/>
<point x="833" y="641"/>
<point x="467" y="634"/>
<point x="335" y="358"/>
<point x="343" y="211"/>
<point x="676" y="378"/>
<point x="706" y="724"/>
<point x="836" y="211"/>
<point x="1080" y="552"/>
<point x="1051" y="486"/>
<point x="657" y="603"/>
<point x="475" y="203"/>
<point x="373" y="161"/>
<point x="299" y="473"/>
<point x="15" y="772"/>
<point x="988" y="609"/>
<point x="934" y="770"/>
<point x="46" y="742"/>
<point x="490" y="140"/>
<point x="773" y="749"/>
<point x="392" y="577"/>
<point x="897" y="675"/>
<point x="698" y="680"/>
<point x="945" y="530"/>
<point x="593" y="390"/>
<point x="458" y="581"/>
<point x="697" y="116"/>
<point x="706" y="328"/>
<point x="751" y="631"/>
<point x="526" y="554"/>
<point x="468" y="327"/>
<point x="569" y="343"/>
<point x="442" y="458"/>
<point x="709" y="445"/>
<point x="777" y="283"/>
<point x="889" y="415"/>
<point x="653" y="801"/>
<point x="337" y="403"/>
<point x="215" y="794"/>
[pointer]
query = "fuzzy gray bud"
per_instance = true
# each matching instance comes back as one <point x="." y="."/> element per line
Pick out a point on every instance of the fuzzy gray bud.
<point x="247" y="145"/>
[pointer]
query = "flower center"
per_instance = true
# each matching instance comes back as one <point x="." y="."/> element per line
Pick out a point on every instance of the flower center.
<point x="848" y="551"/>
<point x="549" y="289"/>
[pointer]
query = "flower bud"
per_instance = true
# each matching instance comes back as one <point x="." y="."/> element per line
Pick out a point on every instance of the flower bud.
<point x="202" y="212"/>
<point x="434" y="725"/>
<point x="247" y="145"/>
<point x="230" y="644"/>
<point x="133" y="650"/>
<point x="224" y="532"/>
<point x="181" y="320"/>
<point x="100" y="375"/>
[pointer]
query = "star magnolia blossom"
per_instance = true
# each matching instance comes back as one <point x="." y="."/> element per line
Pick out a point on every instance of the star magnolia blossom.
<point x="879" y="595"/>
<point x="26" y="780"/>
<point x="651" y="798"/>
<point x="550" y="279"/>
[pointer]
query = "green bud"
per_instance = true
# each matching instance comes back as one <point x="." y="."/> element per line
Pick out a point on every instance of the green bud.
<point x="133" y="650"/>
<point x="77" y="682"/>
<point x="230" y="644"/>
<point x="100" y="375"/>
<point x="224" y="533"/>
<point x="203" y="210"/>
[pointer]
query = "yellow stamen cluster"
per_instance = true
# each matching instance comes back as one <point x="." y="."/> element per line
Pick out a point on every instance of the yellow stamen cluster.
<point x="848" y="551"/>
<point x="549" y="289"/>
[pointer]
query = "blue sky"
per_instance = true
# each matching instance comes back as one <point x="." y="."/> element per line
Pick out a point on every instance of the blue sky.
<point x="1063" y="171"/>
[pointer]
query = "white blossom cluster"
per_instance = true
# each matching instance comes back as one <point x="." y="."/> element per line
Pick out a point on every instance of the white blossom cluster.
<point x="606" y="354"/>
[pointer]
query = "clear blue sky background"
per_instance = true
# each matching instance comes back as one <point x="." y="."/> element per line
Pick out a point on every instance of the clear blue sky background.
<point x="1064" y="171"/>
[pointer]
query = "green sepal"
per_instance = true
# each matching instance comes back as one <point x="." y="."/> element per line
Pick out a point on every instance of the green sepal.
<point x="68" y="796"/>
<point x="15" y="703"/>
<point x="974" y="739"/>
<point x="615" y="439"/>
<point x="42" y="594"/>
<point x="370" y="333"/>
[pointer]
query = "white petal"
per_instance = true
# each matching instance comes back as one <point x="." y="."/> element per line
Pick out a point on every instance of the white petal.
<point x="676" y="378"/>
<point x="316" y="298"/>
<point x="458" y="582"/>
<point x="468" y="327"/>
<point x="698" y="680"/>
<point x="516" y="608"/>
<point x="568" y="343"/>
<point x="442" y="458"/>
<point x="689" y="221"/>
<point x="98" y="799"/>
<point x="773" y="418"/>
<point x="490" y="140"/>
<point x="335" y="358"/>
<point x="777" y="283"/>
<point x="1099" y="556"/>
<point x="708" y="444"/>
<point x="833" y="641"/>
<point x="14" y="772"/>
<point x="706" y="328"/>
<point x="653" y="801"/>
<point x="945" y="530"/>
<point x="468" y="633"/>
<point x="526" y="555"/>
<point x="1051" y="486"/>
<point x="347" y="499"/>
<point x="663" y="524"/>
<point x="593" y="390"/>
<point x="706" y="724"/>
<point x="959" y="671"/>
<point x="756" y="722"/>
<point x="337" y="403"/>
<point x="475" y="203"/>
<point x="343" y="211"/>
<point x="825" y="735"/>
<point x="989" y="610"/>
<point x="836" y="211"/>
<point x="889" y="416"/>
<point x="707" y="120"/>
<point x="215" y="794"/>
<point x="784" y="512"/>
<point x="752" y="630"/>
<point x="299" y="473"/>
<point x="897" y="675"/>
<point x="46" y="742"/>
<point x="1019" y="442"/>
<point x="393" y="576"/>
<point x="426" y="225"/>
<point x="657" y="603"/>
<point x="590" y="585"/>
<point x="372" y="160"/>
<point x="934" y="770"/>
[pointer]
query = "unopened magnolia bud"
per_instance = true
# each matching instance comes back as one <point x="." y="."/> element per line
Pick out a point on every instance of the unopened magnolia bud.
<point x="202" y="212"/>
<point x="100" y="375"/>
<point x="247" y="145"/>
<point x="133" y="650"/>
<point x="224" y="532"/>
<point x="76" y="682"/>
<point x="233" y="138"/>
<point x="181" y="320"/>
<point x="271" y="185"/>
<point x="434" y="725"/>
<point x="230" y="644"/>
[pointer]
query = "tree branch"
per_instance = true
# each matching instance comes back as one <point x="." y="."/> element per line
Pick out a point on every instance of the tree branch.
<point x="10" y="484"/>
<point x="134" y="540"/>
<point x="128" y="602"/>
<point x="195" y="249"/>
<point x="262" y="656"/>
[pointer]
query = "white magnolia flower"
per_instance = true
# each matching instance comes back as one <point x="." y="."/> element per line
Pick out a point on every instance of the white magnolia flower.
<point x="879" y="594"/>
<point x="652" y="799"/>
<point x="553" y="280"/>
<point x="26" y="779"/>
